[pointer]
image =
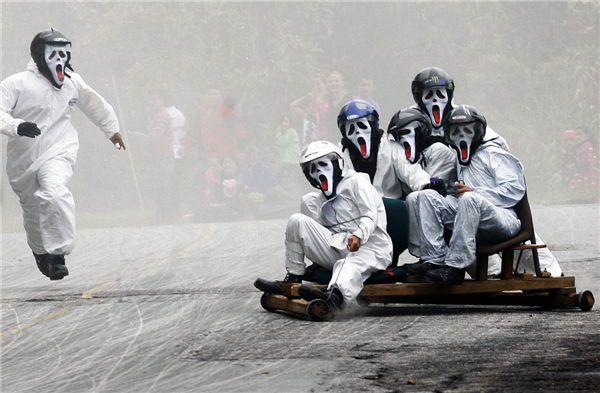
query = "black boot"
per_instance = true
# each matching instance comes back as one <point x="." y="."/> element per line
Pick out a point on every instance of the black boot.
<point x="333" y="297"/>
<point x="446" y="275"/>
<point x="419" y="268"/>
<point x="43" y="263"/>
<point x="58" y="270"/>
<point x="276" y="287"/>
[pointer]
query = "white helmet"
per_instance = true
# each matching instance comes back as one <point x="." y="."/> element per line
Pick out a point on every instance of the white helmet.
<point x="321" y="164"/>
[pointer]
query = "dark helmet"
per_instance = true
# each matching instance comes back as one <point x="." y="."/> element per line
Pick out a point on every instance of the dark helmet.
<point x="413" y="143"/>
<point x="431" y="77"/>
<point x="464" y="129"/>
<point x="357" y="109"/>
<point x="49" y="36"/>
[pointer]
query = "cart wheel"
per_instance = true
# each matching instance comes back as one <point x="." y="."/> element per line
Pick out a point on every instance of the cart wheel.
<point x="263" y="302"/>
<point x="318" y="310"/>
<point x="585" y="300"/>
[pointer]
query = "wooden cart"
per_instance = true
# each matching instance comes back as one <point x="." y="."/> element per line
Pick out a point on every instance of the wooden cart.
<point x="511" y="288"/>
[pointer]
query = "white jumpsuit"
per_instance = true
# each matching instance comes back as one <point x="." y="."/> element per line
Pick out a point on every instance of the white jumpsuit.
<point x="485" y="215"/>
<point x="39" y="168"/>
<point x="321" y="231"/>
<point x="438" y="160"/>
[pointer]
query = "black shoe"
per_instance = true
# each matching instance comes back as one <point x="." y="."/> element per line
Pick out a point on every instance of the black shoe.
<point x="276" y="287"/>
<point x="58" y="270"/>
<point x="43" y="263"/>
<point x="333" y="297"/>
<point x="446" y="275"/>
<point x="419" y="268"/>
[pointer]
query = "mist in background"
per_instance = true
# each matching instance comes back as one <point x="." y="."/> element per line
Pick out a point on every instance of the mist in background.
<point x="532" y="68"/>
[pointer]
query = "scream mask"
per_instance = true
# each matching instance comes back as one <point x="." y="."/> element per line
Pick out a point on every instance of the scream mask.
<point x="57" y="58"/>
<point x="325" y="172"/>
<point x="435" y="101"/>
<point x="408" y="140"/>
<point x="411" y="127"/>
<point x="359" y="133"/>
<point x="464" y="130"/>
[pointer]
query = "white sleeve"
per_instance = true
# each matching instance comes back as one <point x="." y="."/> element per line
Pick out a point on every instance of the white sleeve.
<point x="410" y="174"/>
<point x="510" y="182"/>
<point x="8" y="100"/>
<point x="95" y="107"/>
<point x="311" y="205"/>
<point x="367" y="200"/>
<point x="441" y="163"/>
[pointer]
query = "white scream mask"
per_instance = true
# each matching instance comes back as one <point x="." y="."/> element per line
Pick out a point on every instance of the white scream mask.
<point x="359" y="133"/>
<point x="409" y="141"/>
<point x="56" y="57"/>
<point x="435" y="100"/>
<point x="461" y="136"/>
<point x="322" y="171"/>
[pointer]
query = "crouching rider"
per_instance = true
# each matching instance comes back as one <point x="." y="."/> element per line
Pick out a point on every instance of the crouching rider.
<point x="341" y="228"/>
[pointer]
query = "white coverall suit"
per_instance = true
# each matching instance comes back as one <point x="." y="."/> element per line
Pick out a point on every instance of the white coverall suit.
<point x="485" y="215"/>
<point x="439" y="161"/>
<point x="321" y="231"/>
<point x="39" y="168"/>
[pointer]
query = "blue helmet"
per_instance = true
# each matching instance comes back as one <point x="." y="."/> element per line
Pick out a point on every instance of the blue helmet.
<point x="357" y="109"/>
<point x="358" y="122"/>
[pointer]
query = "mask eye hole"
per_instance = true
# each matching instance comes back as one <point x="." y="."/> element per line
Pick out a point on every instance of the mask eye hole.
<point x="429" y="95"/>
<point x="362" y="125"/>
<point x="404" y="132"/>
<point x="52" y="55"/>
<point x="440" y="94"/>
<point x="313" y="168"/>
<point x="351" y="129"/>
<point x="62" y="54"/>
<point x="322" y="163"/>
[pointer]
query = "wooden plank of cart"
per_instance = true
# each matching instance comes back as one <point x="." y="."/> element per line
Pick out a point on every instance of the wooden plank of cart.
<point x="521" y="290"/>
<point x="511" y="288"/>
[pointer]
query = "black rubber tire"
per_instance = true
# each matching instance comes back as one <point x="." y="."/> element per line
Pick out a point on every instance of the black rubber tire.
<point x="318" y="310"/>
<point x="585" y="300"/>
<point x="263" y="302"/>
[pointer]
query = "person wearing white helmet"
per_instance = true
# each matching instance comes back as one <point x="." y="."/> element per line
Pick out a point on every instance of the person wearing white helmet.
<point x="35" y="113"/>
<point x="342" y="228"/>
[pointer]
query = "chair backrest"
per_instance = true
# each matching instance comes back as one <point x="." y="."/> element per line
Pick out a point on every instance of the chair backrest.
<point x="526" y="232"/>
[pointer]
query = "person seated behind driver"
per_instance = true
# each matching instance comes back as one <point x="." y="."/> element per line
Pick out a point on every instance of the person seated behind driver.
<point x="342" y="228"/>
<point x="483" y="209"/>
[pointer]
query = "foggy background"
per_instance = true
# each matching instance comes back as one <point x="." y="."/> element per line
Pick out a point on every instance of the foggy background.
<point x="532" y="68"/>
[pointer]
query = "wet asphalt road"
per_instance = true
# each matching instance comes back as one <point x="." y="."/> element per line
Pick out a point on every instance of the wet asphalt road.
<point x="173" y="309"/>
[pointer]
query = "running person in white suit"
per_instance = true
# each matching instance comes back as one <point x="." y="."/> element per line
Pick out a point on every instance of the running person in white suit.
<point x="35" y="110"/>
<point x="342" y="228"/>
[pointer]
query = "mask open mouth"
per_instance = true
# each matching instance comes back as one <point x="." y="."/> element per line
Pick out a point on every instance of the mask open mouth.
<point x="464" y="150"/>
<point x="436" y="114"/>
<point x="407" y="150"/>
<point x="324" y="183"/>
<point x="59" y="73"/>
<point x="363" y="146"/>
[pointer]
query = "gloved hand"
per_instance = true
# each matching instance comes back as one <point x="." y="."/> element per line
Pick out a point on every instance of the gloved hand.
<point x="437" y="185"/>
<point x="28" y="129"/>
